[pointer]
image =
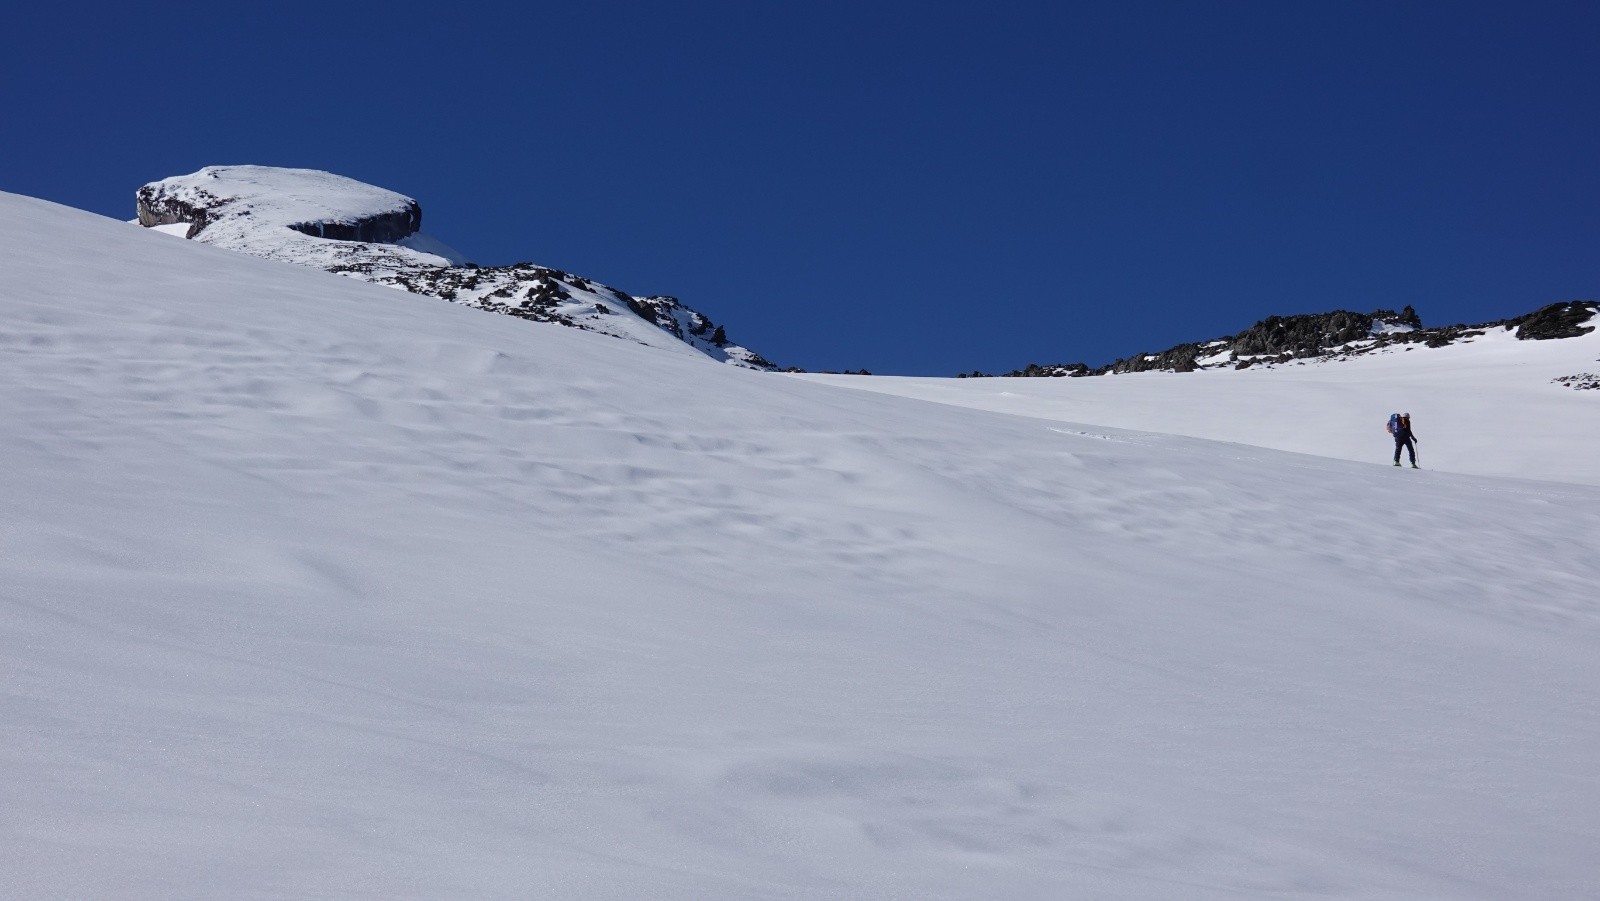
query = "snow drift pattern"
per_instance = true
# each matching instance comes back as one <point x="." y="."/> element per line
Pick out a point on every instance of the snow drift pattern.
<point x="362" y="595"/>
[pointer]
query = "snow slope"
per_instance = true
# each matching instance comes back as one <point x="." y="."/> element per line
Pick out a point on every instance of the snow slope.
<point x="307" y="590"/>
<point x="1490" y="405"/>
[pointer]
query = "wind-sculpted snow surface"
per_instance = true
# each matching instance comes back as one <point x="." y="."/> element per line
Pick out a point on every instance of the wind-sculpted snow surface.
<point x="325" y="221"/>
<point x="358" y="596"/>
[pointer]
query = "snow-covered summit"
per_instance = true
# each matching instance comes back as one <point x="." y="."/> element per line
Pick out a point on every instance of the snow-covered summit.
<point x="330" y="222"/>
<point x="253" y="198"/>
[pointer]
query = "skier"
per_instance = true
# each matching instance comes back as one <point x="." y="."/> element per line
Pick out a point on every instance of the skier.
<point x="1400" y="428"/>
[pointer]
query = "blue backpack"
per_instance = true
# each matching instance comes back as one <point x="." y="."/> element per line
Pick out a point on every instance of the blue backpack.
<point x="1394" y="423"/>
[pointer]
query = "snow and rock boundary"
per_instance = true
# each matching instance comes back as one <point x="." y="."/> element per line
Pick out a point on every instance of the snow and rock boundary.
<point x="326" y="221"/>
<point x="1336" y="335"/>
<point x="312" y="202"/>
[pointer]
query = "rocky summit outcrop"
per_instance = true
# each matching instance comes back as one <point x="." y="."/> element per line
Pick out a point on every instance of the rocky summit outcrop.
<point x="1340" y="334"/>
<point x="343" y="226"/>
<point x="311" y="202"/>
<point x="157" y="208"/>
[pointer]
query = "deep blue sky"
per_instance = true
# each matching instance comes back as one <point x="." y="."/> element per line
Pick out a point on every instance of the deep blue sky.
<point x="917" y="188"/>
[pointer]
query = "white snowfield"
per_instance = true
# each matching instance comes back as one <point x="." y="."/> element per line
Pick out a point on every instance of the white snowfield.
<point x="1490" y="405"/>
<point x="315" y="589"/>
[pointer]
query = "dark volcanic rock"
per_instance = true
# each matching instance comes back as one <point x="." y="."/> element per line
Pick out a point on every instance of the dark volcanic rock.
<point x="384" y="228"/>
<point x="1307" y="334"/>
<point x="1582" y="381"/>
<point x="1177" y="359"/>
<point x="1558" y="320"/>
<point x="1336" y="335"/>
<point x="1034" y="370"/>
<point x="156" y="207"/>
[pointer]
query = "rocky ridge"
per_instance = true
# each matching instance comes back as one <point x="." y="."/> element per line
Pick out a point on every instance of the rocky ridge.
<point x="1341" y="334"/>
<point x="325" y="221"/>
<point x="543" y="294"/>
